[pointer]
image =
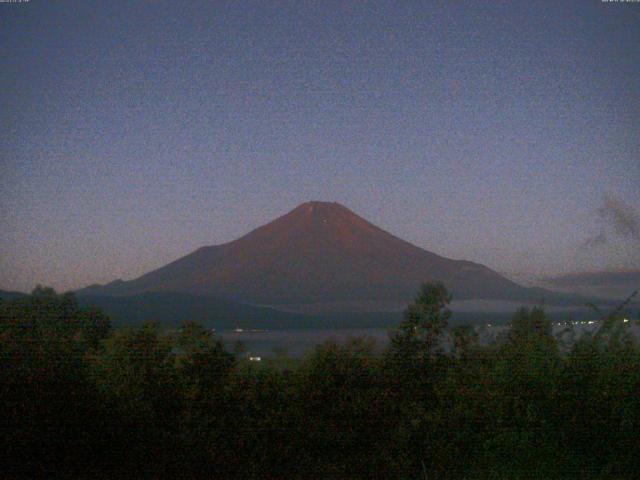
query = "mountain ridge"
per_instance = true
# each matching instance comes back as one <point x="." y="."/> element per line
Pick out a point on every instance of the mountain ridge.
<point x="318" y="253"/>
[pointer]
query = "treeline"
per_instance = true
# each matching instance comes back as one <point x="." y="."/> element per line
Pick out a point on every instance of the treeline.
<point x="81" y="400"/>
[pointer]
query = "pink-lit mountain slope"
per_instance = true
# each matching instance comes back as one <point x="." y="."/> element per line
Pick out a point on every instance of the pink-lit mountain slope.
<point x="319" y="256"/>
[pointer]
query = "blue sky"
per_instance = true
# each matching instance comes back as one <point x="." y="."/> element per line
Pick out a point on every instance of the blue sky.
<point x="135" y="132"/>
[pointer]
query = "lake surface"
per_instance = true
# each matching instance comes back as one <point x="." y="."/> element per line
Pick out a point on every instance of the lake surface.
<point x="298" y="342"/>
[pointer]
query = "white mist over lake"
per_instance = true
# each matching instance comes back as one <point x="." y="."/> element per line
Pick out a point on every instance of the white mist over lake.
<point x="298" y="342"/>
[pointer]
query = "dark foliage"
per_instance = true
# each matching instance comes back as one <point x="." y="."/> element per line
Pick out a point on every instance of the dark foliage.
<point x="80" y="400"/>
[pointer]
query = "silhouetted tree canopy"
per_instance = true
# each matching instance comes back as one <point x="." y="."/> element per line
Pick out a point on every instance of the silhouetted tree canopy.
<point x="80" y="400"/>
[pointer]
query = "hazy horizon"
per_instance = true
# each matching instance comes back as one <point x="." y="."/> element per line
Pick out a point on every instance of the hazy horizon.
<point x="134" y="134"/>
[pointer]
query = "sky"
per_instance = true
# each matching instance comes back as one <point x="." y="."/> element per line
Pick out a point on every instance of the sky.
<point x="132" y="133"/>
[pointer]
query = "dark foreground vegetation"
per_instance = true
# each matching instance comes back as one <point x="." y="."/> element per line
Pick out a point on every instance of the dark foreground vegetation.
<point x="80" y="400"/>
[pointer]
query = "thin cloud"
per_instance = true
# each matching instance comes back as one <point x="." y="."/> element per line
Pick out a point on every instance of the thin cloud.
<point x="625" y="221"/>
<point x="619" y="219"/>
<point x="597" y="279"/>
<point x="595" y="241"/>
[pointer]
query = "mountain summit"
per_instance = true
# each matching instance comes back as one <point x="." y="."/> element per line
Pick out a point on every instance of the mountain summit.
<point x="319" y="256"/>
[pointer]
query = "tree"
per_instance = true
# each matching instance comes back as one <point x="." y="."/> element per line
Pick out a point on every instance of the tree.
<point x="415" y="364"/>
<point x="136" y="376"/>
<point x="202" y="361"/>
<point x="523" y="393"/>
<point x="345" y="420"/>
<point x="465" y="341"/>
<point x="46" y="392"/>
<point x="425" y="320"/>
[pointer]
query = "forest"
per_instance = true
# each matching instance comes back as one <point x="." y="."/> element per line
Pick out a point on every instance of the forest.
<point x="80" y="399"/>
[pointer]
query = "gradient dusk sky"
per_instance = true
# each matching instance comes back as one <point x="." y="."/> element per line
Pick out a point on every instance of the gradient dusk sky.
<point x="132" y="133"/>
